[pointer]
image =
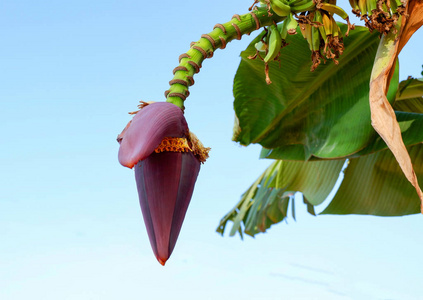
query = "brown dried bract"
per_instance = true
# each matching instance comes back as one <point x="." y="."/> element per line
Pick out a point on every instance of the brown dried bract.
<point x="256" y="19"/>
<point x="334" y="48"/>
<point x="315" y="58"/>
<point x="254" y="4"/>
<point x="201" y="152"/>
<point x="307" y="19"/>
<point x="379" y="19"/>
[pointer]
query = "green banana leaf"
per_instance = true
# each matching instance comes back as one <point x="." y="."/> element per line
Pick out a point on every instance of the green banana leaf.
<point x="266" y="202"/>
<point x="408" y="108"/>
<point x="372" y="185"/>
<point x="410" y="88"/>
<point x="411" y="105"/>
<point x="260" y="190"/>
<point x="375" y="185"/>
<point x="411" y="125"/>
<point x="324" y="113"/>
<point x="410" y="96"/>
<point x="376" y="181"/>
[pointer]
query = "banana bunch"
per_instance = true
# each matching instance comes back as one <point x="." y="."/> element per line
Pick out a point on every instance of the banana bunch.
<point x="323" y="35"/>
<point x="284" y="8"/>
<point x="380" y="15"/>
<point x="317" y="25"/>
<point x="275" y="38"/>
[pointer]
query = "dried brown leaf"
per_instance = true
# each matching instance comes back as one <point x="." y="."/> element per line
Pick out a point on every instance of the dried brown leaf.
<point x="382" y="113"/>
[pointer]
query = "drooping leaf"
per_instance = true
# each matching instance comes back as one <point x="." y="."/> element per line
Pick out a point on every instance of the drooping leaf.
<point x="372" y="185"/>
<point x="315" y="179"/>
<point x="238" y="213"/>
<point x="375" y="185"/>
<point x="266" y="202"/>
<point x="293" y="210"/>
<point x="410" y="88"/>
<point x="411" y="105"/>
<point x="269" y="207"/>
<point x="378" y="192"/>
<point x="310" y="207"/>
<point x="323" y="113"/>
<point x="410" y="96"/>
<point x="410" y="120"/>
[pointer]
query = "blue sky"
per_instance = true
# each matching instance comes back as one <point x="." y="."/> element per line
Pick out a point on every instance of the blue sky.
<point x="70" y="222"/>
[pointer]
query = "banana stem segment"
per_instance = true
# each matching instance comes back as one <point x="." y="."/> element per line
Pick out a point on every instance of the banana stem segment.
<point x="191" y="61"/>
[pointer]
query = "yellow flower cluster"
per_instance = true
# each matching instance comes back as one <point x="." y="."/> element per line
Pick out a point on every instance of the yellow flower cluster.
<point x="171" y="144"/>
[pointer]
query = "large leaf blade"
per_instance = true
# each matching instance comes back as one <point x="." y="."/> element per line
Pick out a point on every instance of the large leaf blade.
<point x="266" y="201"/>
<point x="315" y="179"/>
<point x="324" y="113"/>
<point x="410" y="125"/>
<point x="375" y="185"/>
<point x="408" y="108"/>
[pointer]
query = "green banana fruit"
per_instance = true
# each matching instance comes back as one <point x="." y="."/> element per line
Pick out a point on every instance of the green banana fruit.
<point x="370" y="6"/>
<point x="318" y="18"/>
<point x="291" y="24"/>
<point x="308" y="6"/>
<point x="336" y="31"/>
<point x="334" y="9"/>
<point x="315" y="39"/>
<point x="394" y="4"/>
<point x="354" y="4"/>
<point x="275" y="43"/>
<point x="284" y="29"/>
<point x="308" y="36"/>
<point x="298" y="2"/>
<point x="280" y="7"/>
<point x="327" y="24"/>
<point x="363" y="7"/>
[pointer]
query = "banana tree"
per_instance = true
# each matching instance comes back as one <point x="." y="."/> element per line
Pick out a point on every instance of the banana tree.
<point x="342" y="111"/>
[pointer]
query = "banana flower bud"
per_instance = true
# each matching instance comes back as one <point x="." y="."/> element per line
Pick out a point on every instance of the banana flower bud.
<point x="166" y="157"/>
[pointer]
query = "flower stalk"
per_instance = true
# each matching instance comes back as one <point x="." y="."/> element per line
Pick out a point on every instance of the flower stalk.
<point x="190" y="62"/>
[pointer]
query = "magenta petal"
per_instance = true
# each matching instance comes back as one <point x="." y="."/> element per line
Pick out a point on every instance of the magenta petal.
<point x="165" y="183"/>
<point x="148" y="128"/>
<point x="189" y="174"/>
<point x="145" y="208"/>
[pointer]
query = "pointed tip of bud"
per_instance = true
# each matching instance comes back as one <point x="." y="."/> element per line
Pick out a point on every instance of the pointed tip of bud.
<point x="161" y="261"/>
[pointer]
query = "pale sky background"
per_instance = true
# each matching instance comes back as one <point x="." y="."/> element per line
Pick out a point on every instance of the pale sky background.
<point x="70" y="222"/>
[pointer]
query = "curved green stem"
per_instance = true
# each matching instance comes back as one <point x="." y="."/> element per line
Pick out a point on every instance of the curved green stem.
<point x="190" y="62"/>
